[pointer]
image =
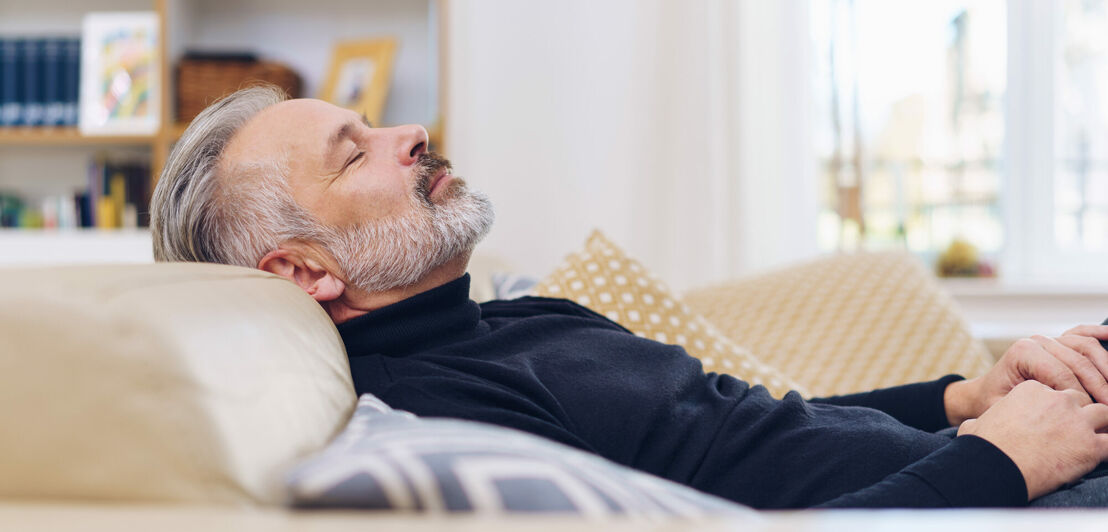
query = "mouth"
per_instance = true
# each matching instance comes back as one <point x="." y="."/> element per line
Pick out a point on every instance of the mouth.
<point x="441" y="179"/>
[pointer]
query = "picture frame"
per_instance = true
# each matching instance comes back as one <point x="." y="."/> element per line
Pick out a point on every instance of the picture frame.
<point x="121" y="89"/>
<point x="359" y="76"/>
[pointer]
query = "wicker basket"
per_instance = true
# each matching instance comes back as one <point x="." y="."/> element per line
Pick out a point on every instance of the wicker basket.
<point x="203" y="81"/>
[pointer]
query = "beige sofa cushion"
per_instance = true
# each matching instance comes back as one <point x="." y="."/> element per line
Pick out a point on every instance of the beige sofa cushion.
<point x="182" y="382"/>
<point x="605" y="279"/>
<point x="847" y="323"/>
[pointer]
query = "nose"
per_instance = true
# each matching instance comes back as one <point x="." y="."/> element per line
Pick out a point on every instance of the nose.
<point x="411" y="142"/>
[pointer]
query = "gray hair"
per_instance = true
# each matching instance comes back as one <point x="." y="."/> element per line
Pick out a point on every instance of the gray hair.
<point x="205" y="210"/>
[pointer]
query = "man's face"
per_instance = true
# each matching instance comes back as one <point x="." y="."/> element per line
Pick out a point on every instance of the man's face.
<point x="339" y="169"/>
<point x="393" y="211"/>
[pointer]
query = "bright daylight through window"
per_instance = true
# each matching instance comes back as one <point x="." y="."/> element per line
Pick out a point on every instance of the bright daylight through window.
<point x="934" y="120"/>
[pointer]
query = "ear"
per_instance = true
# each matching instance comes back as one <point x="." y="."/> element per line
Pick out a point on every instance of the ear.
<point x="306" y="272"/>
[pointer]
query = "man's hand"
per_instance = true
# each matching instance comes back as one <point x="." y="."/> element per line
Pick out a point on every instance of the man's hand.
<point x="1054" y="437"/>
<point x="1074" y="361"/>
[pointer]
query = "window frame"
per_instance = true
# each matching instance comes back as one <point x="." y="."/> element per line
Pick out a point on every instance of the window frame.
<point x="1030" y="158"/>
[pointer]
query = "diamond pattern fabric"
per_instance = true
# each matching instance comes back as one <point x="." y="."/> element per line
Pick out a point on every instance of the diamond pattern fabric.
<point x="847" y="323"/>
<point x="388" y="459"/>
<point x="603" y="278"/>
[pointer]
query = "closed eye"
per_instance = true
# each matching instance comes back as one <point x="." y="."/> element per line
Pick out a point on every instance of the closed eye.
<point x="355" y="159"/>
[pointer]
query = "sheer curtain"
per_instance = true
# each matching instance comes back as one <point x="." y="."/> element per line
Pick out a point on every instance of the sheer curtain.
<point x="676" y="127"/>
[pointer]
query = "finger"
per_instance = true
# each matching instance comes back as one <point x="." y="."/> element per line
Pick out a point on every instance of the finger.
<point x="1043" y="366"/>
<point x="1079" y="398"/>
<point x="1092" y="350"/>
<point x="1092" y="380"/>
<point x="967" y="427"/>
<point x="1095" y="331"/>
<point x="1097" y="415"/>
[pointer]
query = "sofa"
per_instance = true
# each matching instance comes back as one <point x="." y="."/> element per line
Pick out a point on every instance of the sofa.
<point x="196" y="396"/>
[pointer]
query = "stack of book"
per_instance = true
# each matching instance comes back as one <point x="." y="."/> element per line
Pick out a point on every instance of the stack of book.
<point x="39" y="81"/>
<point x="117" y="196"/>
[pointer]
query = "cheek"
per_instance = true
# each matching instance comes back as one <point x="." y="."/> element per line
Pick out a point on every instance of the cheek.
<point x="354" y="204"/>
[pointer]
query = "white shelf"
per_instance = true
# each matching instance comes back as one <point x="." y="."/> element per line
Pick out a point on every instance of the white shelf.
<point x="1001" y="311"/>
<point x="43" y="247"/>
<point x="1001" y="288"/>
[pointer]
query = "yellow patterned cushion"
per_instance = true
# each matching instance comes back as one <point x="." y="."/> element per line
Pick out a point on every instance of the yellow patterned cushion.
<point x="603" y="278"/>
<point x="847" y="323"/>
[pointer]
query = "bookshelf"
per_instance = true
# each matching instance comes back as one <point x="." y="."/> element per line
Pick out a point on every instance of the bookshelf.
<point x="295" y="32"/>
<point x="65" y="136"/>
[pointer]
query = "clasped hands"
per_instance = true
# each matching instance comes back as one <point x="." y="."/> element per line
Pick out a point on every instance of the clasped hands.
<point x="1044" y="404"/>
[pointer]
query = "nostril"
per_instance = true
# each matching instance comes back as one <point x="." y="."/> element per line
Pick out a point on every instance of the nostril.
<point x="418" y="149"/>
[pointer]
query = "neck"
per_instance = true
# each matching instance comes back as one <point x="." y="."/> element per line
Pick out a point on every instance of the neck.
<point x="355" y="302"/>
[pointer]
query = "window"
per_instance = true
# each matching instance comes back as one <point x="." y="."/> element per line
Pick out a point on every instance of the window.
<point x="1081" y="136"/>
<point x="974" y="119"/>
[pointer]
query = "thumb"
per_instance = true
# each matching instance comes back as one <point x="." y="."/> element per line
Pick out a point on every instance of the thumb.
<point x="967" y="427"/>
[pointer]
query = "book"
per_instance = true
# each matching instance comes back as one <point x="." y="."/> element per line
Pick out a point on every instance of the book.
<point x="84" y="210"/>
<point x="105" y="213"/>
<point x="71" y="79"/>
<point x="11" y="87"/>
<point x="33" y="90"/>
<point x="11" y="210"/>
<point x="116" y="195"/>
<point x="11" y="90"/>
<point x="53" y="66"/>
<point x="39" y="81"/>
<point x="117" y="191"/>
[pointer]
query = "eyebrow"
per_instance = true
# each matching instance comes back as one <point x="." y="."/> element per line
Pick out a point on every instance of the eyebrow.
<point x="344" y="132"/>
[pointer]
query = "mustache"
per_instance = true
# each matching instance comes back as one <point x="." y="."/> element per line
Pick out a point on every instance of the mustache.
<point x="427" y="166"/>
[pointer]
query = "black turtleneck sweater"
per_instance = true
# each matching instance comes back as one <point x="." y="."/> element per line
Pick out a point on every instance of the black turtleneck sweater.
<point x="559" y="370"/>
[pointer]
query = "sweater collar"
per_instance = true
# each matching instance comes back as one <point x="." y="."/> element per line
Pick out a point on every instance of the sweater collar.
<point x="433" y="317"/>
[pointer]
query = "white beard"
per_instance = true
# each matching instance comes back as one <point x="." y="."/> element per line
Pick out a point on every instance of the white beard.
<point x="400" y="251"/>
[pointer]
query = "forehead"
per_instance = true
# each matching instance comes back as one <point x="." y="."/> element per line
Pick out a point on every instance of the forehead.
<point x="299" y="129"/>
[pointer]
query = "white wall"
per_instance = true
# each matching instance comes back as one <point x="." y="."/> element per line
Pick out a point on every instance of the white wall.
<point x="300" y="34"/>
<point x="540" y="118"/>
<point x="56" y="17"/>
<point x="628" y="115"/>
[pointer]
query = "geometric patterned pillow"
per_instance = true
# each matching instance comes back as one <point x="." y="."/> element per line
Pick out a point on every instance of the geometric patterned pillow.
<point x="512" y="285"/>
<point x="391" y="460"/>
<point x="604" y="279"/>
<point x="847" y="322"/>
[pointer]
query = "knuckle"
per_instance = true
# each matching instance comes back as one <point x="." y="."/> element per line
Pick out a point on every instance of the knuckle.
<point x="1077" y="397"/>
<point x="1062" y="378"/>
<point x="1027" y="387"/>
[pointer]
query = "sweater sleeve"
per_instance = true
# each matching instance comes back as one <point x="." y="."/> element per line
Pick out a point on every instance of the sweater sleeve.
<point x="970" y="472"/>
<point x="917" y="405"/>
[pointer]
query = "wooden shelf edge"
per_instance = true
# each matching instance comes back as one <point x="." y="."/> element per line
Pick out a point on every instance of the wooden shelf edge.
<point x="79" y="232"/>
<point x="65" y="136"/>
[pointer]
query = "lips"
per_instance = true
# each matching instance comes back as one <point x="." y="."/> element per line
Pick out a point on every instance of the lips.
<point x="440" y="178"/>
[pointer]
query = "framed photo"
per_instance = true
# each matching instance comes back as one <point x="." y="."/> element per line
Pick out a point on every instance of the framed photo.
<point x="120" y="74"/>
<point x="359" y="76"/>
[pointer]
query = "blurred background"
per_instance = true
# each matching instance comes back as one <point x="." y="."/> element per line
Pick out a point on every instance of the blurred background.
<point x="711" y="139"/>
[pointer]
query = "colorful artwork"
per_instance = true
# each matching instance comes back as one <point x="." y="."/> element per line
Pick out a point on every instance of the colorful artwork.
<point x="119" y="71"/>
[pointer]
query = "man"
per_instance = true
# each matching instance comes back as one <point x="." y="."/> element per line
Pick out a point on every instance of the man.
<point x="379" y="232"/>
